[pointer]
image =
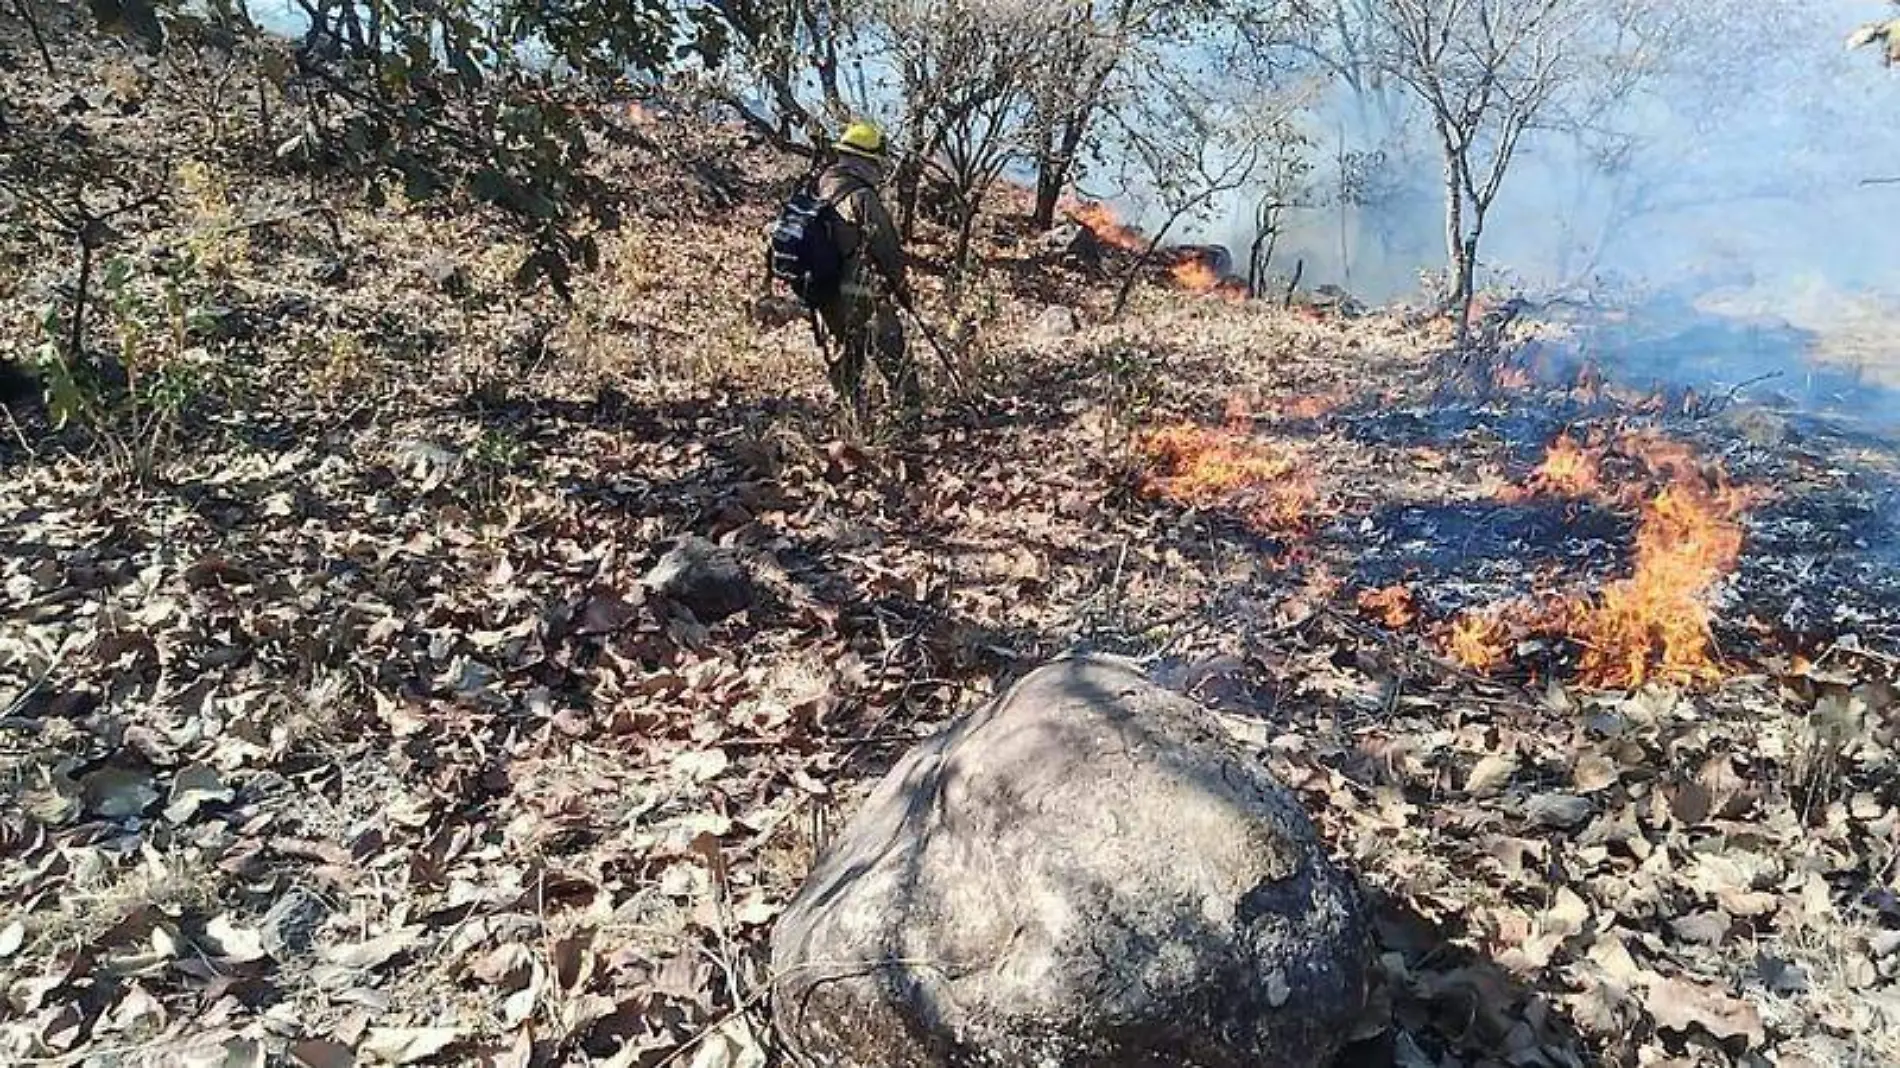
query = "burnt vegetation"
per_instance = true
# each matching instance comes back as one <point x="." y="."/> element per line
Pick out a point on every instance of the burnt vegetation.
<point x="361" y="359"/>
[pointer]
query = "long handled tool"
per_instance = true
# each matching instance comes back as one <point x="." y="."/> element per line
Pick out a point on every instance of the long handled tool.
<point x="949" y="365"/>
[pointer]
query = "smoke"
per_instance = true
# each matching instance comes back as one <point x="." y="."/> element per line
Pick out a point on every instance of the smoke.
<point x="1732" y="190"/>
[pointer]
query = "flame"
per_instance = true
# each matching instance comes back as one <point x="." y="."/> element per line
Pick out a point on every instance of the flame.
<point x="1193" y="274"/>
<point x="1197" y="276"/>
<point x="1392" y="606"/>
<point x="1656" y="623"/>
<point x="1097" y="218"/>
<point x="1208" y="467"/>
<point x="1569" y="469"/>
<point x="1478" y="641"/>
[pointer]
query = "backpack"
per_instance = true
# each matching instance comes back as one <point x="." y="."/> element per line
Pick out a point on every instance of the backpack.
<point x="804" y="251"/>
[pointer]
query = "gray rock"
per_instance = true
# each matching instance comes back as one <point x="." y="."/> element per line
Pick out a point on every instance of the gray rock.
<point x="1055" y="321"/>
<point x="290" y="927"/>
<point x="704" y="577"/>
<point x="1559" y="811"/>
<point x="1074" y="244"/>
<point x="1085" y="872"/>
<point x="446" y="275"/>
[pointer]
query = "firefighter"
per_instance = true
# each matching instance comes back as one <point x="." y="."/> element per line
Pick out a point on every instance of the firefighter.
<point x="861" y="321"/>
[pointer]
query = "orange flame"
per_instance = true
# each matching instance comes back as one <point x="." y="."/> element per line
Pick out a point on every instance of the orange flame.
<point x="1196" y="275"/>
<point x="1477" y="641"/>
<point x="1392" y="606"/>
<point x="1098" y="219"/>
<point x="1569" y="470"/>
<point x="1656" y="624"/>
<point x="1204" y="467"/>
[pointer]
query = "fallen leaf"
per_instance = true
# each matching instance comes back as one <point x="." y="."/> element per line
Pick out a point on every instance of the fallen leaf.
<point x="374" y="953"/>
<point x="12" y="937"/>
<point x="1567" y="915"/>
<point x="322" y="1053"/>
<point x="733" y="1045"/>
<point x="407" y="1045"/>
<point x="508" y="966"/>
<point x="1611" y="954"/>
<point x="574" y="960"/>
<point x="1681" y="1006"/>
<point x="1489" y="775"/>
<point x="1702" y="928"/>
<point x="193" y="787"/>
<point x="702" y="766"/>
<point x="1595" y="773"/>
<point x="242" y="1053"/>
<point x="117" y="793"/>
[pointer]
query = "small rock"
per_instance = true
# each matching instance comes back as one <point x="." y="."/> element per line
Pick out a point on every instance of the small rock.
<point x="1338" y="301"/>
<point x="1088" y="871"/>
<point x="446" y="275"/>
<point x="705" y="578"/>
<point x="1074" y="244"/>
<point x="117" y="793"/>
<point x="1561" y="811"/>
<point x="330" y="273"/>
<point x="1055" y="322"/>
<point x="289" y="929"/>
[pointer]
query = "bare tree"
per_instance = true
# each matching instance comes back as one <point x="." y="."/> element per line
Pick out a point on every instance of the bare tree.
<point x="776" y="50"/>
<point x="1488" y="72"/>
<point x="1097" y="53"/>
<point x="1191" y="145"/>
<point x="1283" y="179"/>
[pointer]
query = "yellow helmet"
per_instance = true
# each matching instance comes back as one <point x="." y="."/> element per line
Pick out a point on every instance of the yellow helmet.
<point x="862" y="139"/>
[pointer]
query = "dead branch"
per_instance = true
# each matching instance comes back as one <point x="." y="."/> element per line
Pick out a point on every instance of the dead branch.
<point x="39" y="39"/>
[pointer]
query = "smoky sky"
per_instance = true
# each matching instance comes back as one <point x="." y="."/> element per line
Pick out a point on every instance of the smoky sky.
<point x="1745" y="168"/>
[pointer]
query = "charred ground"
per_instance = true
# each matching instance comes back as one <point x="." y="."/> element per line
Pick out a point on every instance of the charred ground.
<point x="337" y="721"/>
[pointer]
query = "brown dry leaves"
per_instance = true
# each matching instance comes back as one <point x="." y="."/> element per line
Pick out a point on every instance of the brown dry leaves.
<point x="357" y="738"/>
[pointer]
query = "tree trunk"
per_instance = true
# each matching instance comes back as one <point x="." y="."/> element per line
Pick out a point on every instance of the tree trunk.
<point x="1454" y="235"/>
<point x="39" y="41"/>
<point x="1053" y="166"/>
<point x="909" y="181"/>
<point x="966" y="238"/>
<point x="1468" y="278"/>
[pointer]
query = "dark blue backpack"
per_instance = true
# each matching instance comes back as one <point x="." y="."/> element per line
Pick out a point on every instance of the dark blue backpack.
<point x="804" y="252"/>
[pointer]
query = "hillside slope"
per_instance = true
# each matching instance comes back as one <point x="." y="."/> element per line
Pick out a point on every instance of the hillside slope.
<point x="338" y="721"/>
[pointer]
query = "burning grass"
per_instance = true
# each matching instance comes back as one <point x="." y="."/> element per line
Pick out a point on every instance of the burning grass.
<point x="1195" y="275"/>
<point x="1656" y="624"/>
<point x="1570" y="469"/>
<point x="1100" y="220"/>
<point x="1222" y="467"/>
<point x="1191" y="271"/>
<point x="1393" y="606"/>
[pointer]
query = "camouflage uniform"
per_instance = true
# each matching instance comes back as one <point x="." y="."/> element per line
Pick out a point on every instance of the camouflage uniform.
<point x="861" y="320"/>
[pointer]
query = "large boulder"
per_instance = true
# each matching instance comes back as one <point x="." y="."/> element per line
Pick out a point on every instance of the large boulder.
<point x="1087" y="872"/>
